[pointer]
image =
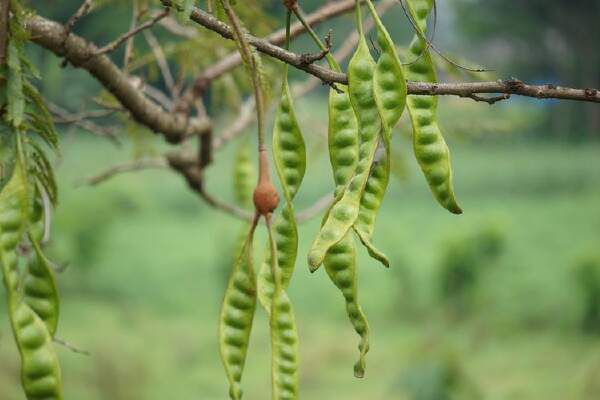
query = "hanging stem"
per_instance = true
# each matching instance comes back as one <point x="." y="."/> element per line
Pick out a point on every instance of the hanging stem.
<point x="359" y="25"/>
<point x="265" y="196"/>
<point x="250" y="61"/>
<point x="330" y="60"/>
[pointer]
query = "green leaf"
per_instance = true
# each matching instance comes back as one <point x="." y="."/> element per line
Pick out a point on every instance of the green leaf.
<point x="43" y="171"/>
<point x="14" y="87"/>
<point x="41" y="120"/>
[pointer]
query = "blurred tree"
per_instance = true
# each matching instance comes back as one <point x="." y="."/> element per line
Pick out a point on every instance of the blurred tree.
<point x="463" y="260"/>
<point x="438" y="375"/>
<point x="587" y="278"/>
<point x="554" y="40"/>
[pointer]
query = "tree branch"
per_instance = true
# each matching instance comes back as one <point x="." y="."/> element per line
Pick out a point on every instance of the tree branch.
<point x="52" y="36"/>
<point x="510" y="86"/>
<point x="123" y="38"/>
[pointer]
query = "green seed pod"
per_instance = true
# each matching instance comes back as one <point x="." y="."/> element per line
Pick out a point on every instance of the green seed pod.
<point x="344" y="212"/>
<point x="390" y="96"/>
<point x="430" y="148"/>
<point x="340" y="264"/>
<point x="237" y="314"/>
<point x="284" y="348"/>
<point x="340" y="259"/>
<point x="40" y="370"/>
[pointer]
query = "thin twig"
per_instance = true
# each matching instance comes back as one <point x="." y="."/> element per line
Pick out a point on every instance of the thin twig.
<point x="130" y="166"/>
<point x="245" y="118"/>
<point x="429" y="42"/>
<point x="172" y="26"/>
<point x="227" y="208"/>
<point x="158" y="96"/>
<point x="67" y="117"/>
<point x="490" y="100"/>
<point x="62" y="116"/>
<point x="161" y="60"/>
<point x="315" y="209"/>
<point x="194" y="177"/>
<point x="135" y="18"/>
<point x="123" y="38"/>
<point x="71" y="347"/>
<point x="310" y="58"/>
<point x="81" y="12"/>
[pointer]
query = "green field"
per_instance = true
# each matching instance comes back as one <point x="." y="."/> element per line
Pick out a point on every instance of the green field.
<point x="148" y="263"/>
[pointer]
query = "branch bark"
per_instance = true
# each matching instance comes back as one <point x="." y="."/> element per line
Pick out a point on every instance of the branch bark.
<point x="510" y="87"/>
<point x="80" y="53"/>
<point x="4" y="14"/>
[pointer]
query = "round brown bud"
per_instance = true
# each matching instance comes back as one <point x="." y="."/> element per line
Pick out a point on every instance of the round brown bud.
<point x="266" y="198"/>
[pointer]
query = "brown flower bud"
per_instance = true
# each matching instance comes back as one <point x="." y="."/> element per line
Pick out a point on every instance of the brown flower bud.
<point x="266" y="198"/>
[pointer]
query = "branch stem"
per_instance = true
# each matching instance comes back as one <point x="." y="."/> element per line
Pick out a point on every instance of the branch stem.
<point x="510" y="86"/>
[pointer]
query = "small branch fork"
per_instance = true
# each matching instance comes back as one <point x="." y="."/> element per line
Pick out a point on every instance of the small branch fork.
<point x="309" y="58"/>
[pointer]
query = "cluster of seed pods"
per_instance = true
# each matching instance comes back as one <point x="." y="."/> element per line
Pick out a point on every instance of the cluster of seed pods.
<point x="362" y="116"/>
<point x="377" y="96"/>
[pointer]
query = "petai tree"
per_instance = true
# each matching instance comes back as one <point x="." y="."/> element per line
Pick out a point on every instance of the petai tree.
<point x="174" y="65"/>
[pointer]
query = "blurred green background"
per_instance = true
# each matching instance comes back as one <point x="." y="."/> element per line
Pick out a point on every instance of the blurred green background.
<point x="502" y="302"/>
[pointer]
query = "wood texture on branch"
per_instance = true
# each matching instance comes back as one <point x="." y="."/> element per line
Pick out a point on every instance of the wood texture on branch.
<point x="80" y="53"/>
<point x="508" y="87"/>
<point x="470" y="90"/>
